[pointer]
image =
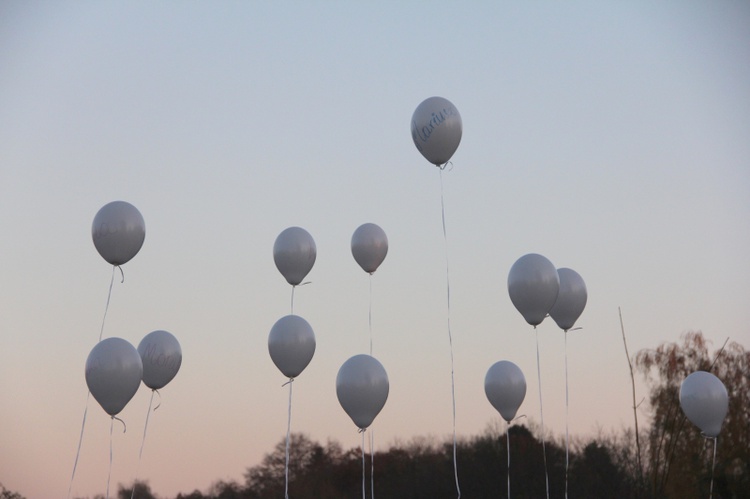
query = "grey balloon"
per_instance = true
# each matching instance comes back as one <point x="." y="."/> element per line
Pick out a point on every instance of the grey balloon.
<point x="113" y="373"/>
<point x="118" y="232"/>
<point x="571" y="299"/>
<point x="436" y="129"/>
<point x="161" y="355"/>
<point x="291" y="344"/>
<point x="505" y="387"/>
<point x="705" y="402"/>
<point x="362" y="389"/>
<point x="533" y="285"/>
<point x="369" y="246"/>
<point x="294" y="253"/>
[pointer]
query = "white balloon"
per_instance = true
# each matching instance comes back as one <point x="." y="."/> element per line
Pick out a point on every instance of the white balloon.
<point x="162" y="357"/>
<point x="505" y="387"/>
<point x="705" y="402"/>
<point x="118" y="232"/>
<point x="294" y="253"/>
<point x="362" y="389"/>
<point x="571" y="300"/>
<point x="436" y="129"/>
<point x="113" y="373"/>
<point x="369" y="246"/>
<point x="291" y="344"/>
<point x="533" y="285"/>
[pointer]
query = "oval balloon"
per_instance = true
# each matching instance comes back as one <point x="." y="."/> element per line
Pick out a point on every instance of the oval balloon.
<point x="505" y="387"/>
<point x="291" y="344"/>
<point x="571" y="299"/>
<point x="118" y="232"/>
<point x="113" y="373"/>
<point x="533" y="285"/>
<point x="362" y="389"/>
<point x="436" y="129"/>
<point x="294" y="253"/>
<point x="161" y="356"/>
<point x="369" y="247"/>
<point x="705" y="402"/>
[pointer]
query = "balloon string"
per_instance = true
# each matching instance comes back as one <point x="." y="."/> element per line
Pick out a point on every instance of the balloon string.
<point x="80" y="439"/>
<point x="292" y="312"/>
<point x="541" y="410"/>
<point x="111" y="427"/>
<point x="369" y="316"/>
<point x="106" y="307"/>
<point x="109" y="475"/>
<point x="372" y="464"/>
<point x="713" y="466"/>
<point x="363" y="462"/>
<point x="450" y="336"/>
<point x="567" y="440"/>
<point x="143" y="441"/>
<point x="288" y="432"/>
<point x="507" y="444"/>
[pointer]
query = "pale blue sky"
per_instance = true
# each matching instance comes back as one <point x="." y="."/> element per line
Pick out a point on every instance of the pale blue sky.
<point x="612" y="138"/>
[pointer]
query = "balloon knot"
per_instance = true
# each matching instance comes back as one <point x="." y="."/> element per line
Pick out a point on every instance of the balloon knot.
<point x="159" y="394"/>
<point x="361" y="430"/>
<point x="444" y="165"/>
<point x="291" y="380"/>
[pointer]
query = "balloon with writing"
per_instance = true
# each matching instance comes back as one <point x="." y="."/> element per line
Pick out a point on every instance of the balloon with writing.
<point x="113" y="373"/>
<point x="505" y="387"/>
<point x="118" y="232"/>
<point x="571" y="299"/>
<point x="369" y="246"/>
<point x="362" y="389"/>
<point x="294" y="253"/>
<point x="436" y="129"/>
<point x="533" y="285"/>
<point x="161" y="356"/>
<point x="705" y="402"/>
<point x="291" y="344"/>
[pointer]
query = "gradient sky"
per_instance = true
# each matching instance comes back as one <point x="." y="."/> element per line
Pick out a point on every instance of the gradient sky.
<point x="611" y="137"/>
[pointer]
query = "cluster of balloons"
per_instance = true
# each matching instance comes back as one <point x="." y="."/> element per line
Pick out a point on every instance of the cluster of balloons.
<point x="538" y="289"/>
<point x="115" y="368"/>
<point x="362" y="383"/>
<point x="291" y="342"/>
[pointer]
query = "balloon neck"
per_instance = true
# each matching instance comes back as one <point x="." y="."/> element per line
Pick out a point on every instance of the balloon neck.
<point x="361" y="430"/>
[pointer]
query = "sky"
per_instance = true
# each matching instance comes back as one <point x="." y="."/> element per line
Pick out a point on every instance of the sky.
<point x="610" y="137"/>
